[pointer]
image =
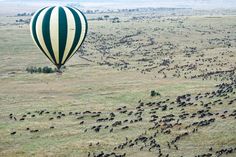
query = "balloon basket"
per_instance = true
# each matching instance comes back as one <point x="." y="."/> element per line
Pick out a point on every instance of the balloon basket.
<point x="59" y="72"/>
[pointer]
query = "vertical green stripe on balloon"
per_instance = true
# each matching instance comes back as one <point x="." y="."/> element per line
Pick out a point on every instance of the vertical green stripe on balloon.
<point x="46" y="33"/>
<point x="34" y="34"/>
<point x="83" y="32"/>
<point x="62" y="33"/>
<point x="86" y="22"/>
<point x="78" y="28"/>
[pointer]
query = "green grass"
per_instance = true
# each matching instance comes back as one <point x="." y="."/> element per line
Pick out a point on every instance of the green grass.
<point x="88" y="86"/>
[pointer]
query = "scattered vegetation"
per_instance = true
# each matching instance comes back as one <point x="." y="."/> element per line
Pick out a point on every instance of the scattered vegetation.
<point x="26" y="21"/>
<point x="25" y="14"/>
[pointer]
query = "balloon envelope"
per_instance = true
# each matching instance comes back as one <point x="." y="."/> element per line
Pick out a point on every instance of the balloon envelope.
<point x="58" y="32"/>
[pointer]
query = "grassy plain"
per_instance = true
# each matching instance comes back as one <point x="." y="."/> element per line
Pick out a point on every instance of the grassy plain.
<point x="126" y="60"/>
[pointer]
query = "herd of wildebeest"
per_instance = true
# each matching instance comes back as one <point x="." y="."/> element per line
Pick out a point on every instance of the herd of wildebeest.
<point x="123" y="118"/>
<point x="133" y="44"/>
<point x="202" y="51"/>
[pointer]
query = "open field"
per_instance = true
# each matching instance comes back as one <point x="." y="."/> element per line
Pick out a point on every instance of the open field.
<point x="102" y="103"/>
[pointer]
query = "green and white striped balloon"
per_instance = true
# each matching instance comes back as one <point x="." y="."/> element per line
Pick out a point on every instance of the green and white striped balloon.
<point x="59" y="32"/>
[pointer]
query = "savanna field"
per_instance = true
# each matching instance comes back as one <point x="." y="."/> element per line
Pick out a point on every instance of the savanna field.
<point x="142" y="85"/>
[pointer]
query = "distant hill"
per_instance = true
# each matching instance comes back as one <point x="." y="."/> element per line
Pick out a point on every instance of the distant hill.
<point x="197" y="4"/>
<point x="12" y="6"/>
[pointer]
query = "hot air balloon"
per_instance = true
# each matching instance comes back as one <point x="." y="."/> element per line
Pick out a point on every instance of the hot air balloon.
<point x="58" y="32"/>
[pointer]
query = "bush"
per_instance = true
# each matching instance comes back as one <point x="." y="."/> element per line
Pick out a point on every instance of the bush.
<point x="46" y="70"/>
<point x="154" y="93"/>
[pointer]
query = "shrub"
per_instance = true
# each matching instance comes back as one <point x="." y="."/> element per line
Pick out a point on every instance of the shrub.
<point x="46" y="70"/>
<point x="154" y="93"/>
